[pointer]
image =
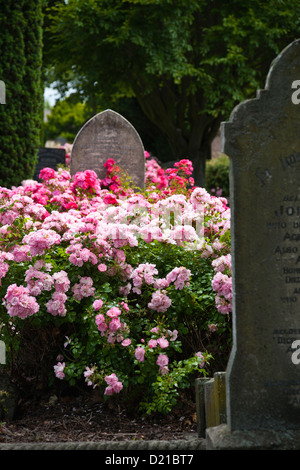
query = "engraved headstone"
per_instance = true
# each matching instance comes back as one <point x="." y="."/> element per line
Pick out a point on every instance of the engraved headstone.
<point x="262" y="139"/>
<point x="109" y="135"/>
<point x="49" y="158"/>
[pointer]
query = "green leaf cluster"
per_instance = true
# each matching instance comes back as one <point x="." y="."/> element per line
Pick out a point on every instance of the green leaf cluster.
<point x="186" y="63"/>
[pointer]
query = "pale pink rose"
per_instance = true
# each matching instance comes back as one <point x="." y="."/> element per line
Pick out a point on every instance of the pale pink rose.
<point x="140" y="354"/>
<point x="113" y="312"/>
<point x="100" y="322"/>
<point x="97" y="304"/>
<point x="163" y="342"/>
<point x="114" y="324"/>
<point x="59" y="370"/>
<point x="162" y="360"/>
<point x="152" y="343"/>
<point x="160" y="302"/>
<point x="111" y="379"/>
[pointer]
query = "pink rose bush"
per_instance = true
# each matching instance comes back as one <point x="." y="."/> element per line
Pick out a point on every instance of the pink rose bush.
<point x="222" y="283"/>
<point x="19" y="302"/>
<point x="127" y="274"/>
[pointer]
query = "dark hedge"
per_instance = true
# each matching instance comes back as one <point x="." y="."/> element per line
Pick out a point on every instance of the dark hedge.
<point x="20" y="69"/>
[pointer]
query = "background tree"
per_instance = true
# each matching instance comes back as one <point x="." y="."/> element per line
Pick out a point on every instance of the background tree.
<point x="20" y="69"/>
<point x="186" y="63"/>
<point x="66" y="118"/>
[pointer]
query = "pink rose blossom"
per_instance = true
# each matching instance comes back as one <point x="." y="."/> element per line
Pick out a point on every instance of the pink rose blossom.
<point x="155" y="329"/>
<point x="160" y="302"/>
<point x="163" y="342"/>
<point x="47" y="173"/>
<point x="114" y="385"/>
<point x="41" y="240"/>
<point x="59" y="370"/>
<point x="56" y="305"/>
<point x="152" y="343"/>
<point x="100" y="322"/>
<point x="113" y="312"/>
<point x="162" y="360"/>
<point x="19" y="303"/>
<point x="84" y="288"/>
<point x="61" y="281"/>
<point x="97" y="304"/>
<point x="201" y="358"/>
<point x="102" y="267"/>
<point x="115" y="324"/>
<point x="87" y="374"/>
<point x="125" y="306"/>
<point x="140" y="354"/>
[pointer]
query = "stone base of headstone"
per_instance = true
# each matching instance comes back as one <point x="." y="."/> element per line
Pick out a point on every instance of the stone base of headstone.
<point x="221" y="438"/>
<point x="8" y="396"/>
<point x="210" y="402"/>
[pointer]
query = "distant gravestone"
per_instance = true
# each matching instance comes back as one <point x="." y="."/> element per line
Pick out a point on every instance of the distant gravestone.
<point x="49" y="158"/>
<point x="109" y="135"/>
<point x="2" y="353"/>
<point x="262" y="139"/>
<point x="2" y="92"/>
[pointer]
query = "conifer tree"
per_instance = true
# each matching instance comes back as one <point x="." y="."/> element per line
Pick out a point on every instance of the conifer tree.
<point x="20" y="70"/>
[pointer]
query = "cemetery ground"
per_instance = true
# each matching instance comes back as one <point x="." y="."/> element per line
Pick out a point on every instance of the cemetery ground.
<point x="82" y="416"/>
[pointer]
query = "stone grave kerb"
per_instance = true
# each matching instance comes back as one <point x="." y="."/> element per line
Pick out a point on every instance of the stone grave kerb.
<point x="109" y="135"/>
<point x="262" y="139"/>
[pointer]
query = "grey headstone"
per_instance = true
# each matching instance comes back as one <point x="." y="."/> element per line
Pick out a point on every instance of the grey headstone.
<point x="2" y="352"/>
<point x="262" y="139"/>
<point x="2" y="92"/>
<point x="49" y="158"/>
<point x="109" y="135"/>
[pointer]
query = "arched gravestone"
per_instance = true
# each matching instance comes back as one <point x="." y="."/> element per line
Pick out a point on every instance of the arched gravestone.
<point x="262" y="139"/>
<point x="109" y="135"/>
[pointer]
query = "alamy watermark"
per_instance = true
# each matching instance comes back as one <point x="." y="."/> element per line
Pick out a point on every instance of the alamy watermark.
<point x="296" y="354"/>
<point x="2" y="92"/>
<point x="296" y="94"/>
<point x="142" y="222"/>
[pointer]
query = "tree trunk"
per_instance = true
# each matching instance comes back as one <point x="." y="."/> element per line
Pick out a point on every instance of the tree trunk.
<point x="190" y="137"/>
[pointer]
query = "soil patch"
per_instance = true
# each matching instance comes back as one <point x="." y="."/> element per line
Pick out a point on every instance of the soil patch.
<point x="86" y="418"/>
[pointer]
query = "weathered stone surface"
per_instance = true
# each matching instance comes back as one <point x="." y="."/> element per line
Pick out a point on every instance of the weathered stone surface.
<point x="210" y="402"/>
<point x="262" y="139"/>
<point x="2" y="353"/>
<point x="109" y="135"/>
<point x="200" y="405"/>
<point x="180" y="445"/>
<point x="222" y="438"/>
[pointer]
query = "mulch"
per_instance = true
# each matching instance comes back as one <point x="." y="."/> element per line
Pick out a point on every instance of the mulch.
<point x="86" y="418"/>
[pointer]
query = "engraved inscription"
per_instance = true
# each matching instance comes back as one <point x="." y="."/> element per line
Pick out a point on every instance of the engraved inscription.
<point x="287" y="252"/>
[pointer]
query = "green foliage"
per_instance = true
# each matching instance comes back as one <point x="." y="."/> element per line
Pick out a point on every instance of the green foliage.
<point x="166" y="389"/>
<point x="217" y="174"/>
<point x="187" y="63"/>
<point x="20" y="69"/>
<point x="65" y="119"/>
